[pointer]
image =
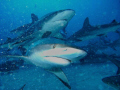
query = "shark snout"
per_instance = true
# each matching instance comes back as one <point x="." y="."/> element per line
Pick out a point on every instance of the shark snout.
<point x="82" y="53"/>
<point x="66" y="14"/>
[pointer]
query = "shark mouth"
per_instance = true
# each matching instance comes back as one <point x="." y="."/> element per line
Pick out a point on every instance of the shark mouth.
<point x="60" y="57"/>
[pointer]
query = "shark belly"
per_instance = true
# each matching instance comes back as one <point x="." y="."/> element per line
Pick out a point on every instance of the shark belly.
<point x="48" y="62"/>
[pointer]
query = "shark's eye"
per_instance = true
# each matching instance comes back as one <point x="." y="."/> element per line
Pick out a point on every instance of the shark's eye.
<point x="54" y="46"/>
<point x="65" y="50"/>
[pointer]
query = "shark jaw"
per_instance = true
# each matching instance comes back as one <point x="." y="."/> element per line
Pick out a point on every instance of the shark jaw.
<point x="58" y="50"/>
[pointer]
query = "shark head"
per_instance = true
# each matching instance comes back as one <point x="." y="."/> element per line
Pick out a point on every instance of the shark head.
<point x="63" y="14"/>
<point x="113" y="81"/>
<point x="60" y="51"/>
<point x="52" y="57"/>
<point x="53" y="18"/>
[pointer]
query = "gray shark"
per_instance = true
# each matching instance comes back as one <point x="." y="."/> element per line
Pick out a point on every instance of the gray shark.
<point x="48" y="26"/>
<point x="52" y="57"/>
<point x="113" y="81"/>
<point x="88" y="32"/>
<point x="20" y="30"/>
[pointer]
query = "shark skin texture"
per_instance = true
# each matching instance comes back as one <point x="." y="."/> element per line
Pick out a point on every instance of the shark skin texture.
<point x="113" y="81"/>
<point x="88" y="31"/>
<point x="49" y="25"/>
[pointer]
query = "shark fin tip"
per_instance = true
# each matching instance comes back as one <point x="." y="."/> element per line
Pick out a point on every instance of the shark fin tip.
<point x="118" y="71"/>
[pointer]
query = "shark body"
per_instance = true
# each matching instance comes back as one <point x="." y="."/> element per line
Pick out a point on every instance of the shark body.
<point x="88" y="32"/>
<point x="47" y="26"/>
<point x="113" y="81"/>
<point x="52" y="57"/>
<point x="20" y="30"/>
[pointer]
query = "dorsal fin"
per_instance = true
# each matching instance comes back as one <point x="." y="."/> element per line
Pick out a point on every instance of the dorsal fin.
<point x="114" y="21"/>
<point x="8" y="39"/>
<point x="34" y="18"/>
<point x="86" y="23"/>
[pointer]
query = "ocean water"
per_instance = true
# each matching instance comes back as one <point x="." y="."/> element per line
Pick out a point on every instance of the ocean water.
<point x="87" y="76"/>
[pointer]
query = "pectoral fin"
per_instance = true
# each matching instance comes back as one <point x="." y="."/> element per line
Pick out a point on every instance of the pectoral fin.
<point x="58" y="35"/>
<point x="22" y="87"/>
<point x="61" y="76"/>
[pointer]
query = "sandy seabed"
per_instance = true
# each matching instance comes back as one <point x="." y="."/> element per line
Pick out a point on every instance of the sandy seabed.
<point x="81" y="77"/>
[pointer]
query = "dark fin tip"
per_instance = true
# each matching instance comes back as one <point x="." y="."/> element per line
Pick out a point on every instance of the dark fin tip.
<point x="64" y="83"/>
<point x="22" y="87"/>
<point x="86" y="23"/>
<point x="117" y="31"/>
<point x="77" y="40"/>
<point x="34" y="17"/>
<point x="118" y="71"/>
<point x="114" y="21"/>
<point x="100" y="34"/>
<point x="46" y="34"/>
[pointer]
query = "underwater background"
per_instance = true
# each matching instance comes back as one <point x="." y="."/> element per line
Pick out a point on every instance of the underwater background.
<point x="15" y="13"/>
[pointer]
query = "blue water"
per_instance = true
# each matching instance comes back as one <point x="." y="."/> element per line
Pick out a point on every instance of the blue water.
<point x="15" y="13"/>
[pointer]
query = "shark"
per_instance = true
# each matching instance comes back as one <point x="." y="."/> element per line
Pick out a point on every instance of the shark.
<point x="88" y="31"/>
<point x="49" y="25"/>
<point x="113" y="81"/>
<point x="52" y="57"/>
<point x="20" y="30"/>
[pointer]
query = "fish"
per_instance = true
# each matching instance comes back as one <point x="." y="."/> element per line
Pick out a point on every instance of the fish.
<point x="20" y="30"/>
<point x="88" y="31"/>
<point x="49" y="25"/>
<point x="52" y="57"/>
<point x="113" y="81"/>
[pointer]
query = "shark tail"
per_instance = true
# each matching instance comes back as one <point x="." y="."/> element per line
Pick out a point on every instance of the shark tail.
<point x="61" y="76"/>
<point x="12" y="56"/>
